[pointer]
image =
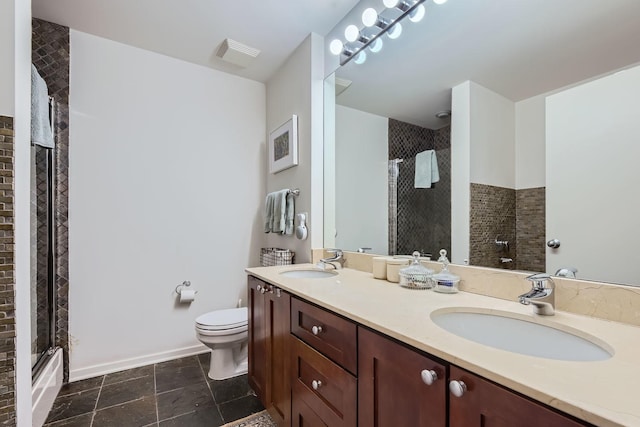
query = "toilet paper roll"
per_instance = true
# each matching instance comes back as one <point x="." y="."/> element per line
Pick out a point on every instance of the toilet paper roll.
<point x="187" y="295"/>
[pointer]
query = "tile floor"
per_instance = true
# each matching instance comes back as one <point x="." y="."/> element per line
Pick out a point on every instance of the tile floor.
<point x="173" y="393"/>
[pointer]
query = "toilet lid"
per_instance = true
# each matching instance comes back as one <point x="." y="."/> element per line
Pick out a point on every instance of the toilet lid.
<point x="223" y="319"/>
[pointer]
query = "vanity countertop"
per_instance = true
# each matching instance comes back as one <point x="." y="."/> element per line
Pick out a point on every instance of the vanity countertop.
<point x="601" y="392"/>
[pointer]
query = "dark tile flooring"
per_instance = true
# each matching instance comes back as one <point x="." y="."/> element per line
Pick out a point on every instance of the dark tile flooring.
<point x="173" y="393"/>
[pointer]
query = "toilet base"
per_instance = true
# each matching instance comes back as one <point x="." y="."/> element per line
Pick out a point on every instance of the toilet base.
<point x="228" y="362"/>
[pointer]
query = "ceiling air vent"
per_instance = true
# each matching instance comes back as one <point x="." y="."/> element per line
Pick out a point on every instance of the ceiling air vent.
<point x="237" y="53"/>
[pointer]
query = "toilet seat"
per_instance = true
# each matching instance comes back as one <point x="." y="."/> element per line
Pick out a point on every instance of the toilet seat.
<point x="231" y="320"/>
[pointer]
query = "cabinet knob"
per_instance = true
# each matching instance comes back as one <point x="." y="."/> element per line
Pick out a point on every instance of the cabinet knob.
<point x="263" y="290"/>
<point x="428" y="376"/>
<point x="259" y="288"/>
<point x="316" y="384"/>
<point x="457" y="388"/>
<point x="316" y="330"/>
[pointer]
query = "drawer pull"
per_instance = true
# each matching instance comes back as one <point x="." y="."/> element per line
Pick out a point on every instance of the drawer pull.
<point x="428" y="376"/>
<point x="316" y="384"/>
<point x="316" y="330"/>
<point x="457" y="388"/>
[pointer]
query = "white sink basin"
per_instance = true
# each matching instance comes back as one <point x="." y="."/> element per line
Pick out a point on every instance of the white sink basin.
<point x="309" y="274"/>
<point x="520" y="336"/>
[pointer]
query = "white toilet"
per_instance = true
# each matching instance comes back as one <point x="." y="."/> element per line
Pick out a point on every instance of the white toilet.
<point x="225" y="333"/>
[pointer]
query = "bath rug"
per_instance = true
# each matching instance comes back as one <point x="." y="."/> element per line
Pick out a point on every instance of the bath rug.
<point x="261" y="419"/>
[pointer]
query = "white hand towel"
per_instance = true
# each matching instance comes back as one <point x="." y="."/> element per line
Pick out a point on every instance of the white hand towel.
<point x="289" y="213"/>
<point x="268" y="212"/>
<point x="278" y="224"/>
<point x="426" y="169"/>
<point x="40" y="124"/>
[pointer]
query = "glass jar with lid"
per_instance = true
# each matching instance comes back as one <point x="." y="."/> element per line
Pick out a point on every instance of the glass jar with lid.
<point x="416" y="275"/>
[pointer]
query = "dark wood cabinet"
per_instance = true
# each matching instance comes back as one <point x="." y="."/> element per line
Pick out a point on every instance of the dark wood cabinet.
<point x="332" y="335"/>
<point x="312" y="367"/>
<point x="397" y="385"/>
<point x="485" y="404"/>
<point x="269" y="341"/>
<point x="323" y="387"/>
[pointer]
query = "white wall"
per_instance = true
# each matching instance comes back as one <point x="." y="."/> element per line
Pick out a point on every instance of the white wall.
<point x="297" y="88"/>
<point x="492" y="138"/>
<point x="362" y="155"/>
<point x="592" y="176"/>
<point x="461" y="167"/>
<point x="329" y="157"/>
<point x="530" y="142"/>
<point x="166" y="179"/>
<point x="22" y="191"/>
<point x="7" y="28"/>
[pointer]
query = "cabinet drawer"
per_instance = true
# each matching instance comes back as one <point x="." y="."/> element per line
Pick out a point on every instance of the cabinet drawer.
<point x="330" y="334"/>
<point x="324" y="387"/>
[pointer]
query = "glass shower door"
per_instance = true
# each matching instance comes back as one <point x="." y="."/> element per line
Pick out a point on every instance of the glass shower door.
<point x="42" y="257"/>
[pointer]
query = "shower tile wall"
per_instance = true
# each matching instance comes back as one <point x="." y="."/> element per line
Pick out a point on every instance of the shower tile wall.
<point x="530" y="229"/>
<point x="50" y="55"/>
<point x="423" y="215"/>
<point x="7" y="283"/>
<point x="517" y="216"/>
<point x="39" y="241"/>
<point x="493" y="215"/>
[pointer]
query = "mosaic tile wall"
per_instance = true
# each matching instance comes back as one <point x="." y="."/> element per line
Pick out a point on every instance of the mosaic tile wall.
<point x="531" y="229"/>
<point x="50" y="55"/>
<point x="517" y="216"/>
<point x="423" y="216"/>
<point x="7" y="283"/>
<point x="493" y="215"/>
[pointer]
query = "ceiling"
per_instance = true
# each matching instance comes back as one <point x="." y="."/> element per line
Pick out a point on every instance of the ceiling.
<point x="192" y="30"/>
<point x="517" y="48"/>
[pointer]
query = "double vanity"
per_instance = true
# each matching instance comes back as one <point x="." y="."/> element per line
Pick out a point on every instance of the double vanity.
<point x="340" y="348"/>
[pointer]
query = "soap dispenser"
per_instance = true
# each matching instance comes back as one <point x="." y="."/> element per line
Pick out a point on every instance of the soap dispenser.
<point x="446" y="282"/>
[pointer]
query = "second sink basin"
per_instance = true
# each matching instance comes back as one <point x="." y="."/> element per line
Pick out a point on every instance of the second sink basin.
<point x="520" y="336"/>
<point x="309" y="274"/>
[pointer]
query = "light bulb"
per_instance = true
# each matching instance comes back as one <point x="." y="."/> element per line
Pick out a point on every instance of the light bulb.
<point x="390" y="3"/>
<point x="395" y="31"/>
<point x="360" y="58"/>
<point x="376" y="45"/>
<point x="351" y="33"/>
<point x="439" y="1"/>
<point x="336" y="47"/>
<point x="417" y="14"/>
<point x="369" y="17"/>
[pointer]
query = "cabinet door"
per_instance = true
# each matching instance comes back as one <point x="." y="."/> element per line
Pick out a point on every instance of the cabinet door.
<point x="257" y="338"/>
<point x="328" y="390"/>
<point x="303" y="416"/>
<point x="391" y="389"/>
<point x="278" y="360"/>
<point x="485" y="404"/>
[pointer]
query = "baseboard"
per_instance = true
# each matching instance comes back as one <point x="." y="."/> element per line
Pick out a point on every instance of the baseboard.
<point x="135" y="362"/>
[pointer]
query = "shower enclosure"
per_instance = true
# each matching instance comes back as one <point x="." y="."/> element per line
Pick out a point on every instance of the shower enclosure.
<point x="42" y="257"/>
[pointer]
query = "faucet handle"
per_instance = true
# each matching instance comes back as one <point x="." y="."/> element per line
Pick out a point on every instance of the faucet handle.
<point x="336" y="252"/>
<point x="538" y="280"/>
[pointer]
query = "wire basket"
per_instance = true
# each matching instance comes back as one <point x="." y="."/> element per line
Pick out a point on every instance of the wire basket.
<point x="275" y="256"/>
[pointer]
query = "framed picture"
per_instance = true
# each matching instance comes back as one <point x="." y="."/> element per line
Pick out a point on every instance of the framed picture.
<point x="283" y="146"/>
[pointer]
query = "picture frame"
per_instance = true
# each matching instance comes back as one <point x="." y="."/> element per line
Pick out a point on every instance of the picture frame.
<point x="283" y="146"/>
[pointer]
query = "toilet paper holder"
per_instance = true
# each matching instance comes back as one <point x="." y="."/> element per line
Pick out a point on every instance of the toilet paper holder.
<point x="183" y="287"/>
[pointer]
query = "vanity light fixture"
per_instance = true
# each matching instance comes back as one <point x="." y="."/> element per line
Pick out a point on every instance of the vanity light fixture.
<point x="439" y="1"/>
<point x="375" y="25"/>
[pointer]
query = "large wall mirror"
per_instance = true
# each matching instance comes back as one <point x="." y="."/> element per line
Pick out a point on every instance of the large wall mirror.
<point x="542" y="142"/>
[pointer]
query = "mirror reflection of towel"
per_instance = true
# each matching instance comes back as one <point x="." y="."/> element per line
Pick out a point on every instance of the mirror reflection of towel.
<point x="426" y="169"/>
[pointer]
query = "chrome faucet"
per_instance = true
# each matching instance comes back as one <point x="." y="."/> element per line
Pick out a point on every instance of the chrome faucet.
<point x="541" y="296"/>
<point x="336" y="261"/>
